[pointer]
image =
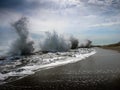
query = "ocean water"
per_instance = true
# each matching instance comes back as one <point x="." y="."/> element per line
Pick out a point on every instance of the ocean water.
<point x="17" y="67"/>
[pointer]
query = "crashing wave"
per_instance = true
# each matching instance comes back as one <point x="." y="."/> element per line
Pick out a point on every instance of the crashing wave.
<point x="17" y="67"/>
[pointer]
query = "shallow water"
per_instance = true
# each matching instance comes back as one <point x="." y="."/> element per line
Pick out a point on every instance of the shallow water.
<point x="16" y="67"/>
<point x="98" y="72"/>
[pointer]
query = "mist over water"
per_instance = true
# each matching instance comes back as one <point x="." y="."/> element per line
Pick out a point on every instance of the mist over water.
<point x="22" y="45"/>
<point x="16" y="65"/>
<point x="54" y="43"/>
<point x="86" y="44"/>
<point x="74" y="42"/>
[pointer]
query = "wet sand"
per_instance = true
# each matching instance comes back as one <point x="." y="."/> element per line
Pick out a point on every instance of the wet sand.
<point x="98" y="72"/>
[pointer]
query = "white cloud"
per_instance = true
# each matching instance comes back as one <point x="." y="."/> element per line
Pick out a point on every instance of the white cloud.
<point x="105" y="24"/>
<point x="8" y="17"/>
<point x="38" y="25"/>
<point x="65" y="15"/>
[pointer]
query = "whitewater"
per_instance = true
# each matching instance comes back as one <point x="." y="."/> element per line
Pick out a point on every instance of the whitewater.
<point x="17" y="67"/>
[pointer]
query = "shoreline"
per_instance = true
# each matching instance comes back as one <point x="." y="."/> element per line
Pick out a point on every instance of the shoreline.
<point x="115" y="46"/>
<point x="88" y="74"/>
<point x="112" y="48"/>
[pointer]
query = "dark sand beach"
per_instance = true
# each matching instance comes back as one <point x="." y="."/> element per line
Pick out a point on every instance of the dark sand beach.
<point x="98" y="72"/>
<point x="115" y="47"/>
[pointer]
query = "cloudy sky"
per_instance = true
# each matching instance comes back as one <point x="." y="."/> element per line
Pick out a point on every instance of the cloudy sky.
<point x="97" y="20"/>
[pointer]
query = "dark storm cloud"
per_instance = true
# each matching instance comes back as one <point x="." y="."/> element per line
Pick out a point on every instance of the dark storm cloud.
<point x="18" y="5"/>
<point x="5" y="4"/>
<point x="25" y="4"/>
<point x="21" y="5"/>
<point x="52" y="4"/>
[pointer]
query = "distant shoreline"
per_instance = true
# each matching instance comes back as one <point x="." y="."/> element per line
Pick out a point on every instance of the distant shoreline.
<point x="112" y="48"/>
<point x="115" y="46"/>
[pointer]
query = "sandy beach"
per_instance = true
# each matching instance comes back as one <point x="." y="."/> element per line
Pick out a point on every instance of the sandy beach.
<point x="98" y="72"/>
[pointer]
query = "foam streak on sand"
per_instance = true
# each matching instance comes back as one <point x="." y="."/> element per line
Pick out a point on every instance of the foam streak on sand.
<point x="59" y="62"/>
<point x="52" y="60"/>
